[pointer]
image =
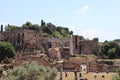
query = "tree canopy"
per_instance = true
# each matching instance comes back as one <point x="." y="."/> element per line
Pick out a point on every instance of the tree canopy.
<point x="49" y="29"/>
<point x="6" y="50"/>
<point x="110" y="50"/>
<point x="32" y="71"/>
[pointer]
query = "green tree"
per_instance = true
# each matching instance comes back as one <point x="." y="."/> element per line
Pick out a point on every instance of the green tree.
<point x="49" y="29"/>
<point x="117" y="51"/>
<point x="64" y="31"/>
<point x="57" y="34"/>
<point x="110" y="50"/>
<point x="111" y="53"/>
<point x="26" y="25"/>
<point x="6" y="50"/>
<point x="32" y="71"/>
<point x="13" y="27"/>
<point x="42" y="23"/>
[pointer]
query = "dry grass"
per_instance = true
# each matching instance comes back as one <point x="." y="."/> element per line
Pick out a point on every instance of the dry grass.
<point x="89" y="76"/>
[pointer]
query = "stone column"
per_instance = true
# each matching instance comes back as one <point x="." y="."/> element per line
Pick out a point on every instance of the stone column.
<point x="61" y="71"/>
<point x="71" y="45"/>
<point x="87" y="64"/>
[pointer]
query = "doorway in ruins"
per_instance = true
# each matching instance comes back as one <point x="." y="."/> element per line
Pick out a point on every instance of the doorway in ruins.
<point x="80" y="49"/>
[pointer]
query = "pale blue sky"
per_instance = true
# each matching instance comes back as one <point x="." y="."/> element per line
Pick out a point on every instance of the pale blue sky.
<point x="89" y="18"/>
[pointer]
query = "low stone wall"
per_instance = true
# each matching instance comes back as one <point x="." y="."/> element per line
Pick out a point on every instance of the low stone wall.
<point x="113" y="68"/>
<point x="94" y="67"/>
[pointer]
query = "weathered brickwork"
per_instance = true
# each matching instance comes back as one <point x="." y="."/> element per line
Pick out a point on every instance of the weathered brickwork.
<point x="83" y="46"/>
<point x="30" y="41"/>
<point x="22" y="40"/>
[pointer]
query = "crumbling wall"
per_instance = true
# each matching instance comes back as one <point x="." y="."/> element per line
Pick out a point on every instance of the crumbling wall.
<point x="23" y="40"/>
<point x="83" y="46"/>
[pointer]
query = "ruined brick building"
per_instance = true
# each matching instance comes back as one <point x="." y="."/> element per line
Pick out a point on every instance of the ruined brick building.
<point x="76" y="44"/>
<point x="29" y="41"/>
<point x="83" y="46"/>
<point x="22" y="40"/>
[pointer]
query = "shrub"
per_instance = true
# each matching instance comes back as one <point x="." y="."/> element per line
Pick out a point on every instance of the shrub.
<point x="32" y="71"/>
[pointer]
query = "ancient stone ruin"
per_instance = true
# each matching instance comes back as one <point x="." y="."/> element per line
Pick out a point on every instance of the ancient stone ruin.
<point x="30" y="41"/>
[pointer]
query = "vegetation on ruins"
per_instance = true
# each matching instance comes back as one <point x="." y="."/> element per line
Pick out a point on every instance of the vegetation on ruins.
<point x="6" y="50"/>
<point x="48" y="29"/>
<point x="110" y="50"/>
<point x="108" y="62"/>
<point x="32" y="71"/>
